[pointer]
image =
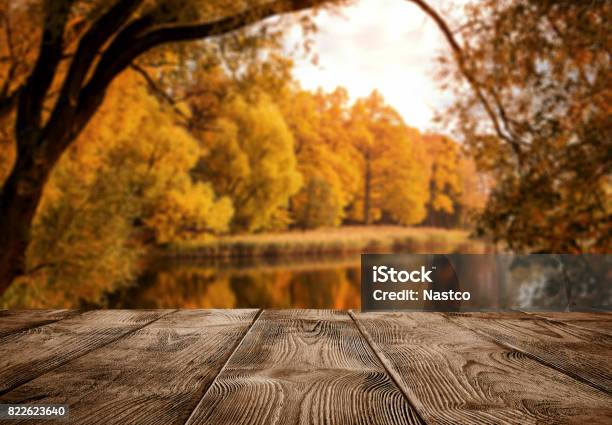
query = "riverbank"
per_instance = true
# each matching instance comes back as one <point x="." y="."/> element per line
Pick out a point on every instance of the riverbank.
<point x="331" y="241"/>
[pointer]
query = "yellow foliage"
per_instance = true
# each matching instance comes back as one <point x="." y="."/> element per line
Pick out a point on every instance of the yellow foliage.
<point x="130" y="165"/>
<point x="446" y="172"/>
<point x="189" y="211"/>
<point x="395" y="166"/>
<point x="326" y="158"/>
<point x="457" y="191"/>
<point x="251" y="160"/>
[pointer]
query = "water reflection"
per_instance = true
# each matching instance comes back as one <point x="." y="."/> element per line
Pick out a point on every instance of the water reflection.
<point x="307" y="282"/>
<point x="496" y="282"/>
<point x="176" y="284"/>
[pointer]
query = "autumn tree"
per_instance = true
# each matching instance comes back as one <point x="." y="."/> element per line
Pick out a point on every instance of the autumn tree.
<point x="82" y="47"/>
<point x="251" y="161"/>
<point x="535" y="115"/>
<point x="457" y="190"/>
<point x="404" y="178"/>
<point x="326" y="156"/>
<point x="393" y="163"/>
<point x="445" y="182"/>
<point x="475" y="188"/>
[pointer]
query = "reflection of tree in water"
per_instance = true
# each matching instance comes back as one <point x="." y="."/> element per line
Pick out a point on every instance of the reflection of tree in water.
<point x="307" y="289"/>
<point x="536" y="281"/>
<point x="563" y="281"/>
<point x="261" y="290"/>
<point x="325" y="289"/>
<point x="184" y="287"/>
<point x="202" y="287"/>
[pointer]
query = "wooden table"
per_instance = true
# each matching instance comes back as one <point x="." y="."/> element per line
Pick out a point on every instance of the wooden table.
<point x="309" y="366"/>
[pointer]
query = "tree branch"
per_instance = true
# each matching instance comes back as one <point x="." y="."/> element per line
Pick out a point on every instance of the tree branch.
<point x="138" y="38"/>
<point x="32" y="96"/>
<point x="157" y="90"/>
<point x="12" y="60"/>
<point x="463" y="68"/>
<point x="172" y="33"/>
<point x="88" y="49"/>
<point x="92" y="42"/>
<point x="8" y="102"/>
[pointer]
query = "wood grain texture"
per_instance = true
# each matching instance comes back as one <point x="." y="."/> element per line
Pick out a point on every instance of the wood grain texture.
<point x="454" y="376"/>
<point x="582" y="354"/>
<point x="14" y="321"/>
<point x="155" y="375"/>
<point x="27" y="355"/>
<point x="598" y="322"/>
<point x="303" y="367"/>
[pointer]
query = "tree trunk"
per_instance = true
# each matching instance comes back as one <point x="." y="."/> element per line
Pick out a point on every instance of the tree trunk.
<point x="367" y="181"/>
<point x="19" y="200"/>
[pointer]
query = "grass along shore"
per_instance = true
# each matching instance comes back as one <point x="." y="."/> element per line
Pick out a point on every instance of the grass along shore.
<point x="329" y="241"/>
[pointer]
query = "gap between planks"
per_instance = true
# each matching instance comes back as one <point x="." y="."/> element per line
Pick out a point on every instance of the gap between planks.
<point x="385" y="364"/>
<point x="236" y="347"/>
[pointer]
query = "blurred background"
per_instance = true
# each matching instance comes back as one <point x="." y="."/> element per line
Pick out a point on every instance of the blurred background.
<point x="251" y="165"/>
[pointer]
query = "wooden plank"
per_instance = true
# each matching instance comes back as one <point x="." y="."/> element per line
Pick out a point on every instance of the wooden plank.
<point x="454" y="376"/>
<point x="303" y="367"/>
<point x="27" y="355"/>
<point x="598" y="322"/>
<point x="14" y="321"/>
<point x="156" y="375"/>
<point x="582" y="354"/>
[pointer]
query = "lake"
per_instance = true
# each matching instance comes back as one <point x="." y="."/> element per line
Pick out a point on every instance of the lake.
<point x="329" y="281"/>
<point x="319" y="282"/>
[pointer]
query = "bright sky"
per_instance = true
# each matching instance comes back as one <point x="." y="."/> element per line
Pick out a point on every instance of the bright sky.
<point x="389" y="45"/>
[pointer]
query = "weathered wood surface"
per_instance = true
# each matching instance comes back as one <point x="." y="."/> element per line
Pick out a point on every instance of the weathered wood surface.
<point x="160" y="371"/>
<point x="304" y="367"/>
<point x="14" y="321"/>
<point x="578" y="352"/>
<point x="26" y="355"/>
<point x="598" y="322"/>
<point x="309" y="366"/>
<point x="455" y="376"/>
